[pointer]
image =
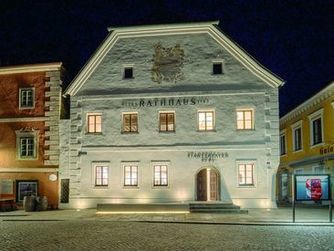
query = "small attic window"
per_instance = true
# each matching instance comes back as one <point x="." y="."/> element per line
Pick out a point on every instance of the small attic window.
<point x="217" y="68"/>
<point x="128" y="72"/>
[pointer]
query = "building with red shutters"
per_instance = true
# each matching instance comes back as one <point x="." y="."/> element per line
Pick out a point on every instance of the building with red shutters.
<point x="30" y="109"/>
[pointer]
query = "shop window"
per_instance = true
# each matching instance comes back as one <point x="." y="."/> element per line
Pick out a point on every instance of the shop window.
<point x="206" y="120"/>
<point x="26" y="188"/>
<point x="245" y="119"/>
<point x="130" y="123"/>
<point x="94" y="123"/>
<point x="160" y="175"/>
<point x="131" y="175"/>
<point x="167" y="122"/>
<point x="27" y="98"/>
<point x="246" y="174"/>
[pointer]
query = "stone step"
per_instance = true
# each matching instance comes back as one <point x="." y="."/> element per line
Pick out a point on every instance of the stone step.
<point x="215" y="208"/>
<point x="152" y="207"/>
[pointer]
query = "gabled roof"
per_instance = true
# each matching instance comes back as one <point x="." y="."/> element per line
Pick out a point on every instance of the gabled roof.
<point x="309" y="103"/>
<point x="172" y="29"/>
<point x="30" y="68"/>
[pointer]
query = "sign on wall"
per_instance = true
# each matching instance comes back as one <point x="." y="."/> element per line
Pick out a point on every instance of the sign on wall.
<point x="312" y="187"/>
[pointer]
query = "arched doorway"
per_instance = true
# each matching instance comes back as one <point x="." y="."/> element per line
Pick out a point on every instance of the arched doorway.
<point x="207" y="185"/>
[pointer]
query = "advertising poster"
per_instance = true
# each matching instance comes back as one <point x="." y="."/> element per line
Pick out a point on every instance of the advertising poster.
<point x="312" y="187"/>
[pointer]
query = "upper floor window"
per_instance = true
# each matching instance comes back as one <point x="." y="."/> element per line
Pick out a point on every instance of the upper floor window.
<point x="316" y="127"/>
<point x="297" y="136"/>
<point x="167" y="122"/>
<point x="27" y="147"/>
<point x="206" y="120"/>
<point x="94" y="123"/>
<point x="130" y="122"/>
<point x="101" y="175"/>
<point x="217" y="68"/>
<point x="27" y="143"/>
<point x="27" y="97"/>
<point x="246" y="174"/>
<point x="245" y="119"/>
<point x="160" y="175"/>
<point x="128" y="72"/>
<point x="282" y="144"/>
<point x="130" y="175"/>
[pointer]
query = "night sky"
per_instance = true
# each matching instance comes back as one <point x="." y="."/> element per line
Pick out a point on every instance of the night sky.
<point x="294" y="39"/>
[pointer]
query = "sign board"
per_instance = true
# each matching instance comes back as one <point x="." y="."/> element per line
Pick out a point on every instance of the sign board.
<point x="312" y="187"/>
<point x="6" y="187"/>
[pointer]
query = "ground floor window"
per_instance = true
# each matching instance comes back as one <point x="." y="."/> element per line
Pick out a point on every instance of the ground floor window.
<point x="26" y="188"/>
<point x="160" y="175"/>
<point x="246" y="174"/>
<point x="101" y="175"/>
<point x="130" y="175"/>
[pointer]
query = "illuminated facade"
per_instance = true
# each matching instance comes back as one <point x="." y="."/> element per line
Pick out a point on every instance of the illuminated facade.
<point x="30" y="97"/>
<point x="307" y="140"/>
<point x="170" y="113"/>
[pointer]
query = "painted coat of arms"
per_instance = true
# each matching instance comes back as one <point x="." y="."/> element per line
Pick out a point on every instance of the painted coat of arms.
<point x="167" y="63"/>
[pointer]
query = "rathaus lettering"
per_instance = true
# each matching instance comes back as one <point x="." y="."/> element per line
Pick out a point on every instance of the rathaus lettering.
<point x="163" y="102"/>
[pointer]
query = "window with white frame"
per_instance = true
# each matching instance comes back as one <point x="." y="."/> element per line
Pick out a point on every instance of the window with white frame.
<point x="27" y="98"/>
<point x="206" y="120"/>
<point x="316" y="127"/>
<point x="160" y="172"/>
<point x="101" y="175"/>
<point x="166" y="121"/>
<point x="297" y="136"/>
<point x="246" y="174"/>
<point x="27" y="144"/>
<point x="282" y="143"/>
<point x="245" y="119"/>
<point x="130" y="175"/>
<point x="130" y="123"/>
<point x="94" y="123"/>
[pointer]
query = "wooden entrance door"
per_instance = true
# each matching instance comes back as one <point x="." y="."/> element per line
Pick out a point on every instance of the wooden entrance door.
<point x="202" y="186"/>
<point x="213" y="185"/>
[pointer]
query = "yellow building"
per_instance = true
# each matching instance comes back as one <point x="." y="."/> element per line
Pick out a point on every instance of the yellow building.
<point x="307" y="141"/>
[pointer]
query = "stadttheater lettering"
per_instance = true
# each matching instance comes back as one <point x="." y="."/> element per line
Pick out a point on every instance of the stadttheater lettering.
<point x="207" y="156"/>
<point x="165" y="102"/>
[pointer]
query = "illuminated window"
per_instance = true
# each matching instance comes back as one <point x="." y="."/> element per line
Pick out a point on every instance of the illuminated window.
<point x="167" y="122"/>
<point x="101" y="175"/>
<point x="27" y="147"/>
<point x="94" y="123"/>
<point x="160" y="175"/>
<point x="205" y="120"/>
<point x="26" y="98"/>
<point x="130" y="175"/>
<point x="246" y="174"/>
<point x="128" y="72"/>
<point x="245" y="119"/>
<point x="130" y="122"/>
<point x="282" y="144"/>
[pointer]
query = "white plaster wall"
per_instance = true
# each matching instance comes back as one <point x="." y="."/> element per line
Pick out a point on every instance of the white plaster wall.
<point x="106" y="92"/>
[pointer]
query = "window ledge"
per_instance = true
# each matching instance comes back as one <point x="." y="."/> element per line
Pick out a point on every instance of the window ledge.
<point x="245" y="130"/>
<point x="246" y="186"/>
<point x="129" y="133"/>
<point x="26" y="108"/>
<point x="130" y="187"/>
<point x="94" y="133"/>
<point x="318" y="144"/>
<point x="167" y="132"/>
<point x="101" y="187"/>
<point x="160" y="187"/>
<point x="204" y="131"/>
<point x="298" y="151"/>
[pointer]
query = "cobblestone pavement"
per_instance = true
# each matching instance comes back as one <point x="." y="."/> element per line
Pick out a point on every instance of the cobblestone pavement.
<point x="121" y="235"/>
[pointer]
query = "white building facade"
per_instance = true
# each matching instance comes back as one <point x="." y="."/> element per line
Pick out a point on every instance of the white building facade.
<point x="171" y="114"/>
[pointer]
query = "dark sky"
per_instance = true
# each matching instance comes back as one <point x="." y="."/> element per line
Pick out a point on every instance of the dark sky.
<point x="294" y="39"/>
